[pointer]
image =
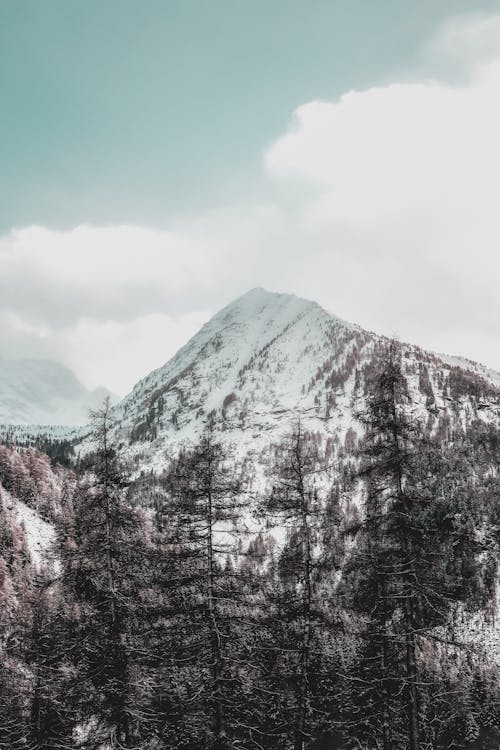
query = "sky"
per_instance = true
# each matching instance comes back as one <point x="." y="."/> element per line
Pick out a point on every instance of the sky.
<point x="160" y="157"/>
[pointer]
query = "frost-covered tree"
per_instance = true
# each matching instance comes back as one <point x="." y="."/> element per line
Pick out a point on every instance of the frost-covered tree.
<point x="407" y="568"/>
<point x="298" y="616"/>
<point x="104" y="553"/>
<point x="201" y="624"/>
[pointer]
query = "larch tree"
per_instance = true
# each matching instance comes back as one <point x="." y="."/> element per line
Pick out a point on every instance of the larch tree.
<point x="294" y="506"/>
<point x="410" y="551"/>
<point x="103" y="556"/>
<point x="204" y="601"/>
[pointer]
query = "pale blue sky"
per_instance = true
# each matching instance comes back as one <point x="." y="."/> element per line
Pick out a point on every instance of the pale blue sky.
<point x="137" y="111"/>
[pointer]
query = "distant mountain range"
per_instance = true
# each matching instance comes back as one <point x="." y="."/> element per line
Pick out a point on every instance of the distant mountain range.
<point x="44" y="392"/>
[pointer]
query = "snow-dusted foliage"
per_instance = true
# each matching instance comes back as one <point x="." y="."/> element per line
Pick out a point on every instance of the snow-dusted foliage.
<point x="287" y="534"/>
<point x="268" y="358"/>
<point x="31" y="502"/>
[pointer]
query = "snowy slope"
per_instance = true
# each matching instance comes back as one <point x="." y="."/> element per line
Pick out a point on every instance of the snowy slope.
<point x="40" y="391"/>
<point x="32" y="533"/>
<point x="40" y="535"/>
<point x="267" y="358"/>
<point x="249" y="365"/>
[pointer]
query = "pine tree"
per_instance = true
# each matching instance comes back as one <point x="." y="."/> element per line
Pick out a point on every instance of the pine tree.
<point x="414" y="546"/>
<point x="297" y="619"/>
<point x="104" y="553"/>
<point x="52" y="717"/>
<point x="204" y="602"/>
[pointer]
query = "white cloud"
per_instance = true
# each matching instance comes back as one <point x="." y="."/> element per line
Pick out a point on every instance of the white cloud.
<point x="103" y="265"/>
<point x="124" y="352"/>
<point x="115" y="302"/>
<point x="403" y="152"/>
<point x="109" y="352"/>
<point x="464" y="41"/>
<point x="385" y="210"/>
<point x="406" y="186"/>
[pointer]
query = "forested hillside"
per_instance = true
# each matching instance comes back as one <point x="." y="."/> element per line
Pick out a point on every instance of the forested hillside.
<point x="349" y="601"/>
<point x="267" y="359"/>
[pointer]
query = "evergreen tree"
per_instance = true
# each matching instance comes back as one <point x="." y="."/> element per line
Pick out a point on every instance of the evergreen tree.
<point x="297" y="618"/>
<point x="411" y="548"/>
<point x="201" y="623"/>
<point x="104" y="553"/>
<point x="52" y="716"/>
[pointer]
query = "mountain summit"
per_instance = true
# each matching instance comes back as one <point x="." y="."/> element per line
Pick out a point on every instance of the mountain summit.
<point x="268" y="358"/>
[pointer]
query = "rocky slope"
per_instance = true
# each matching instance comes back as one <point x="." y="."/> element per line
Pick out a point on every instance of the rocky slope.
<point x="267" y="358"/>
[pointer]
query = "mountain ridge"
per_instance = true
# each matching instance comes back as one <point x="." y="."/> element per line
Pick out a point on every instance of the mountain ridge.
<point x="260" y="362"/>
<point x="267" y="358"/>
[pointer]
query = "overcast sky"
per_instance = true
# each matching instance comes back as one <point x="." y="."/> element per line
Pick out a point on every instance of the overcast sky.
<point x="159" y="158"/>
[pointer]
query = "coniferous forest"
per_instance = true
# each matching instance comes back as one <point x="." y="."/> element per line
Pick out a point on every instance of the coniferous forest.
<point x="335" y="606"/>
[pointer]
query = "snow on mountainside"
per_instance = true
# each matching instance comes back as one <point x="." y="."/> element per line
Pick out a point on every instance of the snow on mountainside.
<point x="40" y="535"/>
<point x="43" y="392"/>
<point x="31" y="491"/>
<point x="267" y="358"/>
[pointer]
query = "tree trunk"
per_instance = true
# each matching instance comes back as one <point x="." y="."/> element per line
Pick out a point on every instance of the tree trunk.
<point x="408" y="574"/>
<point x="386" y="725"/>
<point x="410" y="644"/>
<point x="109" y="562"/>
<point x="220" y="718"/>
<point x="306" y="604"/>
<point x="411" y="675"/>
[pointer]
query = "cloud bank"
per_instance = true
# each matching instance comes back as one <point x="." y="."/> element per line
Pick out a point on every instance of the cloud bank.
<point x="383" y="205"/>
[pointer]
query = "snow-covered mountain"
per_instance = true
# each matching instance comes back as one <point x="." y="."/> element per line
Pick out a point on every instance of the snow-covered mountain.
<point x="267" y="358"/>
<point x="43" y="392"/>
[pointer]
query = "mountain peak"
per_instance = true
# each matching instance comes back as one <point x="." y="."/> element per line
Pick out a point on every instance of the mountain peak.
<point x="262" y="303"/>
<point x="258" y="298"/>
<point x="261" y="350"/>
<point x="263" y="360"/>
